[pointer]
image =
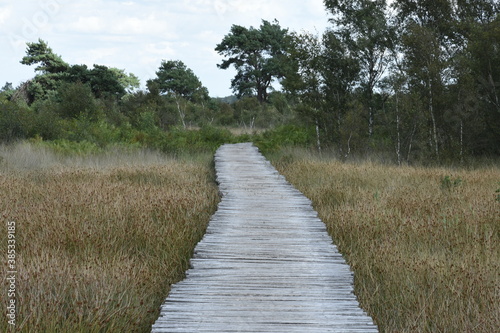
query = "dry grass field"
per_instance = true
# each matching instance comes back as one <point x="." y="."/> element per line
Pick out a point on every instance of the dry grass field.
<point x="424" y="243"/>
<point x="99" y="239"/>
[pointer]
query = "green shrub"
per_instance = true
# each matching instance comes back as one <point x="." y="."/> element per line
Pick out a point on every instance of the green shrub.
<point x="42" y="121"/>
<point x="11" y="126"/>
<point x="285" y="136"/>
<point x="447" y="183"/>
<point x="66" y="147"/>
<point x="76" y="100"/>
<point x="206" y="139"/>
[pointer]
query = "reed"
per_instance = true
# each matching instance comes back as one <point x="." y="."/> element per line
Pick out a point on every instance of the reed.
<point x="424" y="243"/>
<point x="100" y="238"/>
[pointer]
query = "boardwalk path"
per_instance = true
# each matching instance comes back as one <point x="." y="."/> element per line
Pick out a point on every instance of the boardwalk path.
<point x="266" y="263"/>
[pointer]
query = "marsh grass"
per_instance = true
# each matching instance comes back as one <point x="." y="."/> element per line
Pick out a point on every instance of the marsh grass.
<point x="424" y="243"/>
<point x="100" y="238"/>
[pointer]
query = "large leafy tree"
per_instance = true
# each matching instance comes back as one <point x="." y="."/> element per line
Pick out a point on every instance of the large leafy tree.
<point x="47" y="61"/>
<point x="426" y="29"/>
<point x="51" y="71"/>
<point x="477" y="71"/>
<point x="361" y="26"/>
<point x="258" y="55"/>
<point x="175" y="80"/>
<point x="323" y="77"/>
<point x="104" y="81"/>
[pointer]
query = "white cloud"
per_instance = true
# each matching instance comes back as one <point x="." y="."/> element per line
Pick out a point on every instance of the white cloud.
<point x="90" y="24"/>
<point x="159" y="49"/>
<point x="5" y="14"/>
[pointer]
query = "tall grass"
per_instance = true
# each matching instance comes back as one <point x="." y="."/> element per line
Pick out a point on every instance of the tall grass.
<point x="100" y="238"/>
<point x="424" y="243"/>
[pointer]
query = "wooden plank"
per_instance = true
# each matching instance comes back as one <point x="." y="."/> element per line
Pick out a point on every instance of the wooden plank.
<point x="266" y="263"/>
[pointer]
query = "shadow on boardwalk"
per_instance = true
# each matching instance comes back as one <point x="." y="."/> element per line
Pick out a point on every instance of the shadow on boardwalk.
<point x="266" y="263"/>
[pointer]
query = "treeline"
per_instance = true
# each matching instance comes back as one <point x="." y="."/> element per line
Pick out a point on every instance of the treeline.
<point x="85" y="108"/>
<point x="416" y="80"/>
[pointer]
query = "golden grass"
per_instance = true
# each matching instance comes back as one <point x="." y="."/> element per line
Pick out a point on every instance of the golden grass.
<point x="426" y="254"/>
<point x="98" y="245"/>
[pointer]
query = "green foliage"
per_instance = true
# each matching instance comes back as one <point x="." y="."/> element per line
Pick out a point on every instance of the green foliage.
<point x="100" y="132"/>
<point x="225" y="114"/>
<point x="207" y="139"/>
<point x="47" y="61"/>
<point x="259" y="56"/>
<point x="76" y="100"/>
<point x="129" y="82"/>
<point x="438" y="102"/>
<point x="285" y="136"/>
<point x="70" y="148"/>
<point x="497" y="196"/>
<point x="52" y="72"/>
<point x="7" y="91"/>
<point x="448" y="183"/>
<point x="174" y="78"/>
<point x="11" y="121"/>
<point x="43" y="121"/>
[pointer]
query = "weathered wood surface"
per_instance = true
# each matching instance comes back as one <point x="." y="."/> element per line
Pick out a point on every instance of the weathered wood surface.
<point x="266" y="263"/>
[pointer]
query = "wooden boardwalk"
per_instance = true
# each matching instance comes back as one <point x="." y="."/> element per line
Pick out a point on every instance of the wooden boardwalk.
<point x="266" y="263"/>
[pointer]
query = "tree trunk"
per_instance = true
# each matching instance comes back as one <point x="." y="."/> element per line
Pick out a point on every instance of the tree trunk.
<point x="398" y="129"/>
<point x="181" y="113"/>
<point x="411" y="142"/>
<point x="461" y="141"/>
<point x="318" y="142"/>
<point x="433" y="119"/>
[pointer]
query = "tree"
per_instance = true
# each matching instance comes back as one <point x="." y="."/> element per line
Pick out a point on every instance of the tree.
<point x="129" y="82"/>
<point x="258" y="55"/>
<point x="50" y="70"/>
<point x="7" y="90"/>
<point x="322" y="79"/>
<point x="361" y="25"/>
<point x="41" y="54"/>
<point x="174" y="79"/>
<point x="427" y="37"/>
<point x="76" y="100"/>
<point x="483" y="66"/>
<point x="307" y="81"/>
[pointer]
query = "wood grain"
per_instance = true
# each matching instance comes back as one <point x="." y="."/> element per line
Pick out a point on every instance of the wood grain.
<point x="266" y="263"/>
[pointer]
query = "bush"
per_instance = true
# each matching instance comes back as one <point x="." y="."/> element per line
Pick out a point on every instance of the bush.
<point x="43" y="121"/>
<point x="285" y="136"/>
<point x="76" y="100"/>
<point x="11" y="126"/>
<point x="207" y="139"/>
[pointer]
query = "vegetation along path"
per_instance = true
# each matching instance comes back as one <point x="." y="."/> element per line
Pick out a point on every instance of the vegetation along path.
<point x="266" y="263"/>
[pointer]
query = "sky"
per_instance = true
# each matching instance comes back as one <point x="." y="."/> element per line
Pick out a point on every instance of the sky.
<point x="137" y="35"/>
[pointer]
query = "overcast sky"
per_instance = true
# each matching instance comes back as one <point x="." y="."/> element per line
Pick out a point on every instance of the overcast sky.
<point x="138" y="35"/>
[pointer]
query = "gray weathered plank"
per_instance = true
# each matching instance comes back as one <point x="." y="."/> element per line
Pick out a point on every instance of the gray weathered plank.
<point x="266" y="263"/>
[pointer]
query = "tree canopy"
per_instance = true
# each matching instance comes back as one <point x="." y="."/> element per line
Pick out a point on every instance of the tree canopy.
<point x="51" y="71"/>
<point x="174" y="78"/>
<point x="258" y="55"/>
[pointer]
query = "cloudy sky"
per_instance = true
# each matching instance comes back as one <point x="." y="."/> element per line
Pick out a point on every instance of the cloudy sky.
<point x="137" y="35"/>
